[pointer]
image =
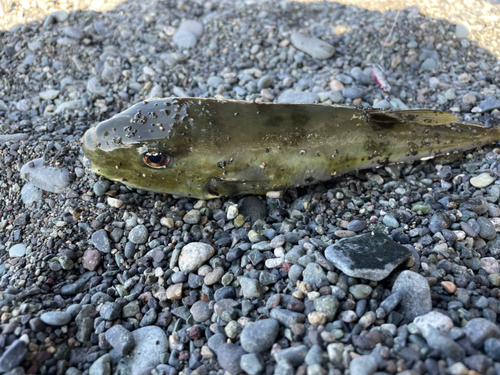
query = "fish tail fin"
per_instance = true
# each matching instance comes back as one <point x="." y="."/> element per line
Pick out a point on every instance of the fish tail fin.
<point x="418" y="116"/>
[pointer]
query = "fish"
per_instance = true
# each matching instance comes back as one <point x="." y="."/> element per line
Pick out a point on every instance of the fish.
<point x="207" y="148"/>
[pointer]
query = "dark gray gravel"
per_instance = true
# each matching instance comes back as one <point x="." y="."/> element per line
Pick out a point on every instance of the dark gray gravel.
<point x="393" y="270"/>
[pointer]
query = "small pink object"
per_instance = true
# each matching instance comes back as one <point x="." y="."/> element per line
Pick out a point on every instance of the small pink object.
<point x="379" y="76"/>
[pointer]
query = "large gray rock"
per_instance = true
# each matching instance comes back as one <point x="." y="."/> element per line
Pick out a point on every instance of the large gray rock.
<point x="52" y="179"/>
<point x="151" y="345"/>
<point x="368" y="256"/>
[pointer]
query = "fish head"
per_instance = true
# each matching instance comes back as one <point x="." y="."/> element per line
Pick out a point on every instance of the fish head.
<point x="151" y="146"/>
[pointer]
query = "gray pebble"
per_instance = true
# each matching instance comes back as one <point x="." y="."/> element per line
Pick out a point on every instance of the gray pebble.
<point x="200" y="311"/>
<point x="110" y="311"/>
<point x="56" y="318"/>
<point x="353" y="92"/>
<point x="193" y="255"/>
<point x="295" y="355"/>
<point x="101" y="187"/>
<point x="148" y="352"/>
<point x="54" y="180"/>
<point x="101" y="241"/>
<point x="363" y="365"/>
<point x="260" y="336"/>
<point x="73" y="32"/>
<point x="250" y="288"/>
<point x="18" y="250"/>
<point x="120" y="339"/>
<point x="486" y="228"/>
<point x="429" y="64"/>
<point x="184" y="39"/>
<point x="192" y="217"/>
<point x="489" y="104"/>
<point x="415" y="293"/>
<point x="111" y="74"/>
<point x="13" y="355"/>
<point x="293" y="96"/>
<point x="252" y="363"/>
<point x="138" y="235"/>
<point x="312" y="46"/>
<point x="462" y="30"/>
<point x="229" y="356"/>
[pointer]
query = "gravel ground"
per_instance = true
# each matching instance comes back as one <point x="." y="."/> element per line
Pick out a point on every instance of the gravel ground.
<point x="384" y="271"/>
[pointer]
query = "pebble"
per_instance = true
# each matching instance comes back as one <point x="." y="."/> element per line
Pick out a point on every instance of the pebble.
<point x="138" y="235"/>
<point x="56" y="318"/>
<point x="462" y="30"/>
<point x="122" y="341"/>
<point x="489" y="104"/>
<point x="363" y="365"/>
<point x="110" y="311"/>
<point x="193" y="255"/>
<point x="18" y="250"/>
<point x="482" y="181"/>
<point x="184" y="39"/>
<point x="49" y="94"/>
<point x="415" y="292"/>
<point x="435" y="320"/>
<point x="250" y="288"/>
<point x="102" y="366"/>
<point x="490" y="265"/>
<point x="486" y="228"/>
<point x="381" y="255"/>
<point x="252" y="363"/>
<point x="480" y="329"/>
<point x="294" y="355"/>
<point x="229" y="356"/>
<point x="360" y="291"/>
<point x="54" y="180"/>
<point x="193" y="26"/>
<point x="469" y="98"/>
<point x="101" y="241"/>
<point x="313" y="46"/>
<point x="492" y="348"/>
<point x="294" y="96"/>
<point x="147" y="352"/>
<point x="201" y="311"/>
<point x="13" y="355"/>
<point x="91" y="259"/>
<point x="260" y="336"/>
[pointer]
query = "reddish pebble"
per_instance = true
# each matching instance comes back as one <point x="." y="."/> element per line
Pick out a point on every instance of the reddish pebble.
<point x="449" y="286"/>
<point x="195" y="333"/>
<point x="184" y="355"/>
<point x="91" y="259"/>
<point x="286" y="267"/>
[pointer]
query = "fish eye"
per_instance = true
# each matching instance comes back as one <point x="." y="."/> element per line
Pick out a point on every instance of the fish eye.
<point x="156" y="159"/>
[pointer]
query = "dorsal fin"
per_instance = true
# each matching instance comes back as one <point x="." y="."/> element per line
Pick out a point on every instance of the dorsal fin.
<point x="418" y="116"/>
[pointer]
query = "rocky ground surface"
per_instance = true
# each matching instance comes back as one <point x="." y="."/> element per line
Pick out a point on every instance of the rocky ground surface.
<point x="386" y="271"/>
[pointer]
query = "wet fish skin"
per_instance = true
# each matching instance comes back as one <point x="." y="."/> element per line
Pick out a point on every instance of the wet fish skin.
<point x="226" y="148"/>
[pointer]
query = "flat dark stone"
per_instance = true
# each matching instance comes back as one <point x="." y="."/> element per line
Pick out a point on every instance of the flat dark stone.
<point x="369" y="256"/>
